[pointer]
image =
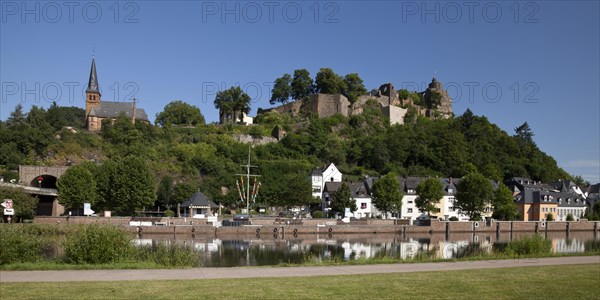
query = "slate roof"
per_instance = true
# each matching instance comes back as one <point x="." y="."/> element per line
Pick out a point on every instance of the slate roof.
<point x="107" y="109"/>
<point x="358" y="190"/>
<point x="593" y="189"/>
<point x="332" y="187"/>
<point x="199" y="200"/>
<point x="93" y="82"/>
<point x="530" y="196"/>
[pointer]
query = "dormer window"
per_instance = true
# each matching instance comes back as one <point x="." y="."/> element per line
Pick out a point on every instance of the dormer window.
<point x="450" y="190"/>
<point x="569" y="201"/>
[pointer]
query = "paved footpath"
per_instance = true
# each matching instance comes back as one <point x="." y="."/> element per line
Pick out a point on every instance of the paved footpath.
<point x="250" y="272"/>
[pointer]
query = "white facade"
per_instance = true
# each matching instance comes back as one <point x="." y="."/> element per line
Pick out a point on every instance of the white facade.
<point x="409" y="207"/>
<point x="364" y="207"/>
<point x="319" y="177"/>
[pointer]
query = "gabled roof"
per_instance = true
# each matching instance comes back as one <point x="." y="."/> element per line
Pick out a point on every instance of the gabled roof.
<point x="593" y="189"/>
<point x="107" y="109"/>
<point x="359" y="190"/>
<point x="199" y="200"/>
<point x="332" y="187"/>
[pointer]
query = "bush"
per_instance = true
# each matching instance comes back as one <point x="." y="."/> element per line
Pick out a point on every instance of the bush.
<point x="96" y="244"/>
<point x="170" y="255"/>
<point x="570" y="218"/>
<point x="22" y="244"/>
<point x="529" y="245"/>
<point x="453" y="219"/>
<point x="317" y="214"/>
<point x="549" y="217"/>
<point x="169" y="213"/>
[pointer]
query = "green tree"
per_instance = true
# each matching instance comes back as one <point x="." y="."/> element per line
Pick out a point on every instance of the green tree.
<point x="164" y="195"/>
<point x="298" y="191"/>
<point x="328" y="82"/>
<point x="430" y="192"/>
<point x="550" y="217"/>
<point x="354" y="87"/>
<point x="24" y="204"/>
<point x="343" y="199"/>
<point x="387" y="194"/>
<point x="524" y="133"/>
<point x="126" y="185"/>
<point x="17" y="116"/>
<point x="281" y="89"/>
<point x="503" y="204"/>
<point x="433" y="99"/>
<point x="232" y="103"/>
<point x="570" y="218"/>
<point x="179" y="113"/>
<point x="302" y="84"/>
<point x="473" y="194"/>
<point x="76" y="186"/>
<point x="183" y="191"/>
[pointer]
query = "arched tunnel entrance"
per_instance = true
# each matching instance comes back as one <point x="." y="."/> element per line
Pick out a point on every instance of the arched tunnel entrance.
<point x="44" y="181"/>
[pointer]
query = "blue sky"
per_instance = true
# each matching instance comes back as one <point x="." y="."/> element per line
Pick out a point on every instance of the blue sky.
<point x="510" y="61"/>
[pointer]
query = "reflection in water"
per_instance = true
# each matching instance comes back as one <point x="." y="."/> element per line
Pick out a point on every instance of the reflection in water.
<point x="255" y="251"/>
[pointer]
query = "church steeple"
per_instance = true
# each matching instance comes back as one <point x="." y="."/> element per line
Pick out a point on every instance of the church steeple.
<point x="93" y="82"/>
<point x="92" y="93"/>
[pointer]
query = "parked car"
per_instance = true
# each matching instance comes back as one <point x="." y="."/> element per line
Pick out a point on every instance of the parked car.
<point x="241" y="218"/>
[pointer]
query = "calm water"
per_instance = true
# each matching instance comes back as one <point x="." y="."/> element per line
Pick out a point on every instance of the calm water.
<point x="230" y="251"/>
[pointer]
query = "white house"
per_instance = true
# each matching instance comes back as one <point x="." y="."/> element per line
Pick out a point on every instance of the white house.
<point x="364" y="205"/>
<point x="320" y="176"/>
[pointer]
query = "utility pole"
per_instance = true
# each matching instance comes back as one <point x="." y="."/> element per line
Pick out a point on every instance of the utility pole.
<point x="248" y="175"/>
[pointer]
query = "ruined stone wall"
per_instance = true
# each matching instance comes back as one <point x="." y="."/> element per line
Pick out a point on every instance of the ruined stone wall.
<point x="396" y="114"/>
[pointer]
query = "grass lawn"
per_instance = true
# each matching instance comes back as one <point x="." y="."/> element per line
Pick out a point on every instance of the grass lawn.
<point x="554" y="282"/>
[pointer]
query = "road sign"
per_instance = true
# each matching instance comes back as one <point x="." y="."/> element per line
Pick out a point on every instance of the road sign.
<point x="9" y="212"/>
<point x="87" y="209"/>
<point x="7" y="203"/>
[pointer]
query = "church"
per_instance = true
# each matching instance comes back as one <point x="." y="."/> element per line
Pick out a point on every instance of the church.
<point x="96" y="110"/>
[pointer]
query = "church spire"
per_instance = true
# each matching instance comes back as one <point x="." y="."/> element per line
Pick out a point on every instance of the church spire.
<point x="93" y="82"/>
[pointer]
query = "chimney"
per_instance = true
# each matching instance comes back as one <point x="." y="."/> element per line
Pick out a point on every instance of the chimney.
<point x="133" y="113"/>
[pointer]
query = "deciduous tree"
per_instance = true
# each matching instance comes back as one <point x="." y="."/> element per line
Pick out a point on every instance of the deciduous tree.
<point x="281" y="89"/>
<point x="387" y="195"/>
<point x="430" y="192"/>
<point x="474" y="193"/>
<point x="179" y="113"/>
<point x="302" y="84"/>
<point x="503" y="204"/>
<point x="343" y="199"/>
<point x="76" y="187"/>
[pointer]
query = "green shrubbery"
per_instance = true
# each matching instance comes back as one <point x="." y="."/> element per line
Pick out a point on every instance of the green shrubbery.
<point x="529" y="245"/>
<point x="95" y="244"/>
<point x="21" y="244"/>
<point x="317" y="214"/>
<point x="87" y="244"/>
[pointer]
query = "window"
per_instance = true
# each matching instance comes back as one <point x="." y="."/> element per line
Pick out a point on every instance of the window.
<point x="409" y="210"/>
<point x="363" y="205"/>
<point x="450" y="191"/>
<point x="410" y="201"/>
<point x="316" y="189"/>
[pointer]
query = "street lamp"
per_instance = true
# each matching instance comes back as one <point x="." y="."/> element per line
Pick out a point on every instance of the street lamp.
<point x="39" y="180"/>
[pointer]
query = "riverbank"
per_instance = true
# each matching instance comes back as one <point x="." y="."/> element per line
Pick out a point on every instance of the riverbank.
<point x="271" y="226"/>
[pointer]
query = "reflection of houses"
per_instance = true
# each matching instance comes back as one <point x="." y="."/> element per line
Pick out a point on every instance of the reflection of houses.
<point x="198" y="205"/>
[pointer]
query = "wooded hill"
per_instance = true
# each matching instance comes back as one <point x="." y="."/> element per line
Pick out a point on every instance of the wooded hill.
<point x="186" y="158"/>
